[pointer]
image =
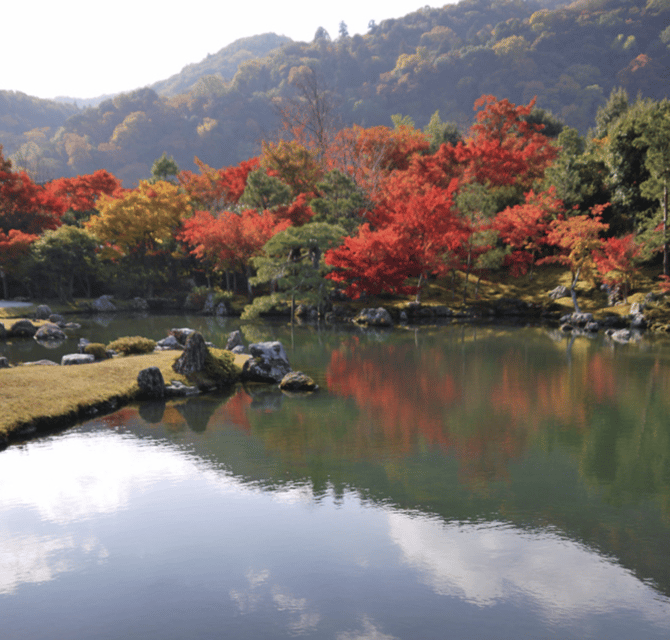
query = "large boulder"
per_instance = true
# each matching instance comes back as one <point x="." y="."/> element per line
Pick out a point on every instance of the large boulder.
<point x="77" y="358"/>
<point x="49" y="333"/>
<point x="42" y="312"/>
<point x="297" y="381"/>
<point x="4" y="363"/>
<point x="104" y="304"/>
<point x="268" y="362"/>
<point x="182" y="334"/>
<point x="23" y="329"/>
<point x="151" y="383"/>
<point x="379" y="317"/>
<point x="192" y="360"/>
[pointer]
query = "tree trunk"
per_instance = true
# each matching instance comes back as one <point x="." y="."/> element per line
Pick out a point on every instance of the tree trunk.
<point x="250" y="291"/>
<point x="418" y="289"/>
<point x="573" y="292"/>
<point x="666" y="266"/>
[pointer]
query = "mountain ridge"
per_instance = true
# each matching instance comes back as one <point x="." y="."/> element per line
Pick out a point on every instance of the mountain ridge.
<point x="569" y="56"/>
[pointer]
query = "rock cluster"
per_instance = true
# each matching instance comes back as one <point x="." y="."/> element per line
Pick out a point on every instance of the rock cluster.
<point x="379" y="317"/>
<point x="268" y="362"/>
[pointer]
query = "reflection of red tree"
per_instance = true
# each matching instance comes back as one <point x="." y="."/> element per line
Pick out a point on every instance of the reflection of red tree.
<point x="235" y="411"/>
<point x="601" y="377"/>
<point x="408" y="406"/>
<point x="121" y="418"/>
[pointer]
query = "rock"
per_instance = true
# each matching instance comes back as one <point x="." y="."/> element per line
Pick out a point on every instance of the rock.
<point x="208" y="308"/>
<point x="379" y="317"/>
<point x="239" y="349"/>
<point x="70" y="325"/>
<point x="104" y="304"/>
<point x="403" y="316"/>
<point x="77" y="358"/>
<point x="636" y="308"/>
<point x="49" y="363"/>
<point x="592" y="327"/>
<point x="222" y="309"/>
<point x="621" y="335"/>
<point x="4" y="363"/>
<point x="3" y="332"/>
<point x="443" y="311"/>
<point x="182" y="334"/>
<point x="559" y="292"/>
<point x="169" y="343"/>
<point x="56" y="318"/>
<point x="49" y="332"/>
<point x="638" y="321"/>
<point x="192" y="360"/>
<point x="297" y="381"/>
<point x="566" y="328"/>
<point x="151" y="383"/>
<point x="139" y="304"/>
<point x="234" y="340"/>
<point x="268" y="362"/>
<point x="581" y="319"/>
<point x="83" y="342"/>
<point x="23" y="329"/>
<point x="177" y="389"/>
<point x="42" y="312"/>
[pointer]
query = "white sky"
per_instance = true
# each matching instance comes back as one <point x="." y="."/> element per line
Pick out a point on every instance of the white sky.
<point x="83" y="48"/>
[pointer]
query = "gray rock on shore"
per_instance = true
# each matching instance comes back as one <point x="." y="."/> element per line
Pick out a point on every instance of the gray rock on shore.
<point x="297" y="381"/>
<point x="49" y="333"/>
<point x="151" y="383"/>
<point x="268" y="362"/>
<point x="77" y="358"/>
<point x="379" y="317"/>
<point x="192" y="360"/>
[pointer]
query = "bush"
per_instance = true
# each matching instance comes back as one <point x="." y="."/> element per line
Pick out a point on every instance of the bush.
<point x="97" y="350"/>
<point x="134" y="345"/>
<point x="196" y="299"/>
<point x="220" y="366"/>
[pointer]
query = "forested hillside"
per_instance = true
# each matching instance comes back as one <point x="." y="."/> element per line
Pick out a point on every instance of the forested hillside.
<point x="570" y="57"/>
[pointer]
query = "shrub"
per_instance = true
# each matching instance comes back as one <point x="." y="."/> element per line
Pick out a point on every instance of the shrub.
<point x="97" y="350"/>
<point x="220" y="366"/>
<point x="132" y="345"/>
<point x="196" y="299"/>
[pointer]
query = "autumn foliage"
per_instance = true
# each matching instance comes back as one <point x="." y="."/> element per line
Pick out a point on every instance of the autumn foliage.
<point x="411" y="209"/>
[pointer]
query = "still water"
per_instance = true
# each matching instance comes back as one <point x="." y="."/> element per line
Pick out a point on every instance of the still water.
<point x="451" y="482"/>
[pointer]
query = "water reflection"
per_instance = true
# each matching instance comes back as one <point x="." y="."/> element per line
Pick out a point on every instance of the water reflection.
<point x="95" y="508"/>
<point x="494" y="562"/>
<point x="479" y="485"/>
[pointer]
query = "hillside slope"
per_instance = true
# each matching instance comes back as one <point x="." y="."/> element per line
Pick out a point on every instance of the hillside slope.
<point x="569" y="56"/>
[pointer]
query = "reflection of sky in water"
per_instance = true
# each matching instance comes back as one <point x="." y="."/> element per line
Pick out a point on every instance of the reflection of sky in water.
<point x="491" y="563"/>
<point x="61" y="501"/>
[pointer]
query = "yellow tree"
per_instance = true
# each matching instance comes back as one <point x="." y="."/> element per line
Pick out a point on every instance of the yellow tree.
<point x="138" y="227"/>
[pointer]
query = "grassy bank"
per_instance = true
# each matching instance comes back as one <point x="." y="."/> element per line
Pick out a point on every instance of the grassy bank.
<point x="39" y="398"/>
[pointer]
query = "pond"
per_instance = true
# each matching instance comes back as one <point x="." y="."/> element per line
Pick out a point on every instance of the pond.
<point x="445" y="482"/>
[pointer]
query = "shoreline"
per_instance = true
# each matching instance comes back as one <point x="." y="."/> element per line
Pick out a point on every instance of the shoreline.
<point x="34" y="403"/>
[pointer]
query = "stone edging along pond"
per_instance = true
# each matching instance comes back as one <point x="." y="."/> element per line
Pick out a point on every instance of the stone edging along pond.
<point x="38" y="398"/>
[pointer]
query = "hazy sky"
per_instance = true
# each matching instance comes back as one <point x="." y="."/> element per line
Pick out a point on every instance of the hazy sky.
<point x="84" y="49"/>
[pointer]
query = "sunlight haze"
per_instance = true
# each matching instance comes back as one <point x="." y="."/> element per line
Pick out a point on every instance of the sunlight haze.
<point x="83" y="49"/>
